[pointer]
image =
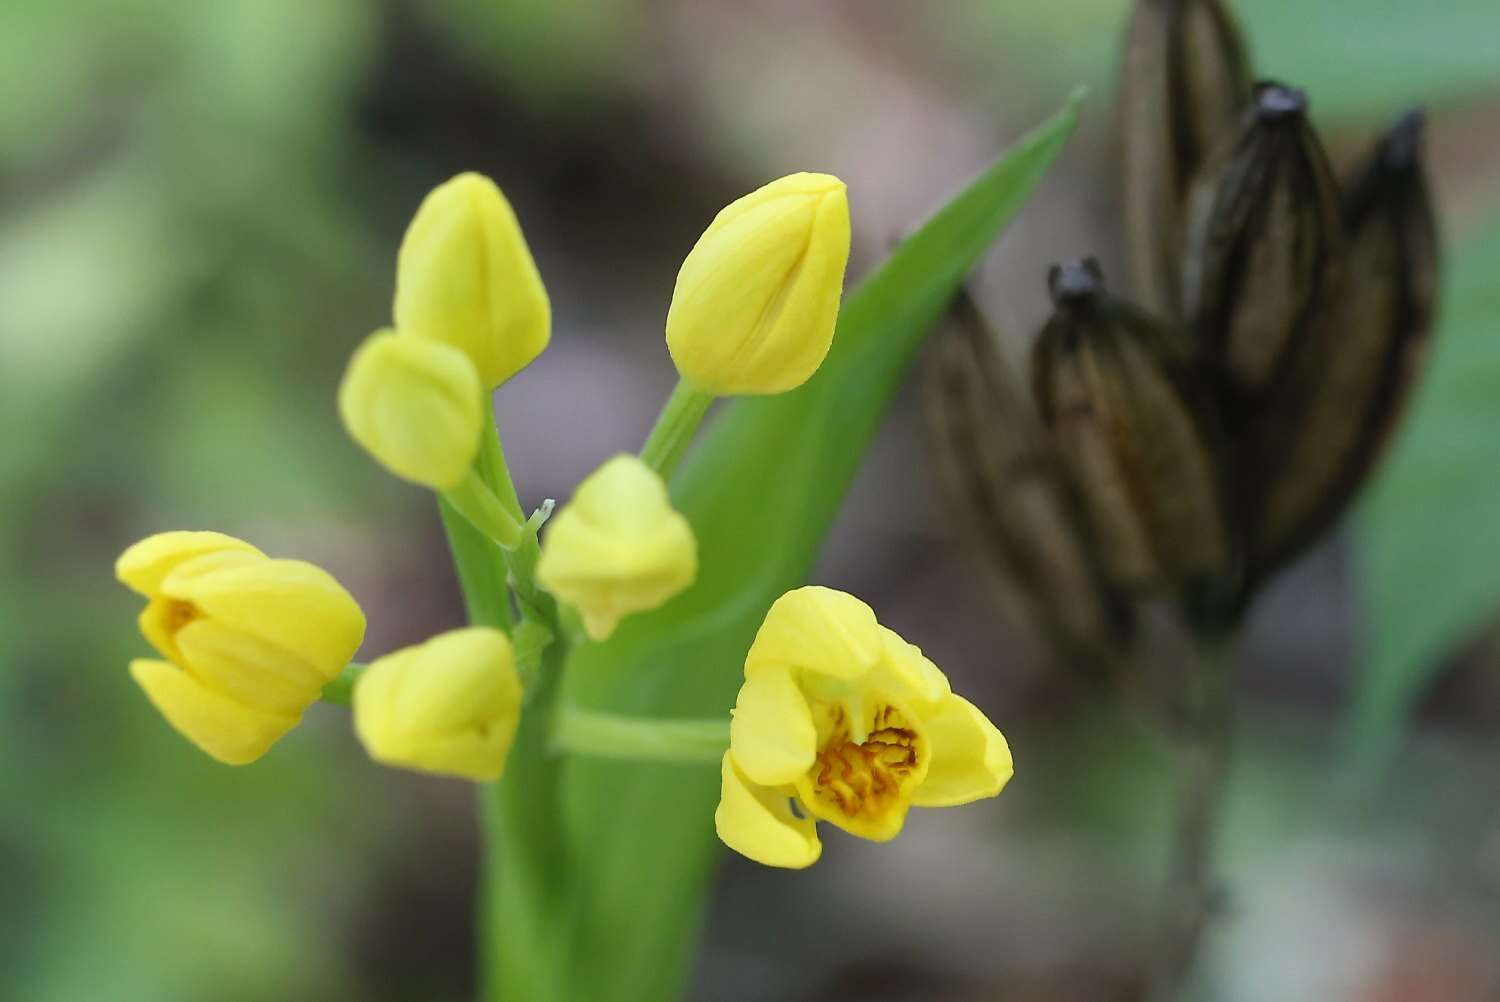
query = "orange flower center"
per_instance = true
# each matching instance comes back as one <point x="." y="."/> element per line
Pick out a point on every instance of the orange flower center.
<point x="866" y="778"/>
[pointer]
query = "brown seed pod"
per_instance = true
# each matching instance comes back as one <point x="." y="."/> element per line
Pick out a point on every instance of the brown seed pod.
<point x="1130" y="420"/>
<point x="1185" y="81"/>
<point x="1325" y="428"/>
<point x="1012" y="495"/>
<point x="1264" y="248"/>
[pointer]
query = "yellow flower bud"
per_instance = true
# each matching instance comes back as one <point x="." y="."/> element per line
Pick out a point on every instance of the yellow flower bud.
<point x="415" y="405"/>
<point x="450" y="705"/>
<point x="464" y="275"/>
<point x="851" y="724"/>
<point x="618" y="547"/>
<point x="250" y="641"/>
<point x="758" y="296"/>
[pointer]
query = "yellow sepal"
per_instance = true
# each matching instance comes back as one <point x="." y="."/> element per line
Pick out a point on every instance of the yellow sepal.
<point x="465" y="276"/>
<point x="450" y="705"/>
<point x="757" y="821"/>
<point x="618" y="547"/>
<point x="415" y="405"/>
<point x="225" y="729"/>
<point x="757" y="298"/>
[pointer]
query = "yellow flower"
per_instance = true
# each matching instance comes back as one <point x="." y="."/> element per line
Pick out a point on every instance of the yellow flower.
<point x="415" y="405"/>
<point x="618" y="547"/>
<point x="249" y="641"/>
<point x="842" y="716"/>
<point x="758" y="295"/>
<point x="464" y="275"/>
<point x="450" y="705"/>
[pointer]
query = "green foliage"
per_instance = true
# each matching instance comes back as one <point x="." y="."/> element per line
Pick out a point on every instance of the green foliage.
<point x="1358" y="61"/>
<point x="1430" y="533"/>
<point x="761" y="491"/>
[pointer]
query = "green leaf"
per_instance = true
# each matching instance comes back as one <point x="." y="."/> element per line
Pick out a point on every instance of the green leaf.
<point x="1429" y="538"/>
<point x="761" y="491"/>
<point x="1360" y="62"/>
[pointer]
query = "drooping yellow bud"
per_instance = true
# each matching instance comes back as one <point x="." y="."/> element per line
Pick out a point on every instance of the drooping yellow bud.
<point x="450" y="705"/>
<point x="250" y="641"/>
<point x="415" y="405"/>
<point x="464" y="275"/>
<point x="758" y="296"/>
<point x="618" y="547"/>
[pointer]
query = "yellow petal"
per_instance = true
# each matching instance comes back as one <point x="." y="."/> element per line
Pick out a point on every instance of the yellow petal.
<point x="757" y="821"/>
<point x="618" y="547"/>
<point x="757" y="298"/>
<point x="970" y="758"/>
<point x="911" y="676"/>
<point x="247" y="669"/>
<point x="450" y="705"/>
<point x="821" y="630"/>
<point x="225" y="729"/>
<point x="415" y="405"/>
<point x="143" y="566"/>
<point x="464" y="275"/>
<point x="772" y="733"/>
<point x="288" y="603"/>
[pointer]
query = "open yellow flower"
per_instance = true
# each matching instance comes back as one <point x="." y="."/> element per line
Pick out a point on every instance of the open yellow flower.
<point x="249" y="641"/>
<point x="758" y="295"/>
<point x="450" y="705"/>
<point x="464" y="275"/>
<point x="841" y="717"/>
<point x="618" y="547"/>
<point x="416" y="405"/>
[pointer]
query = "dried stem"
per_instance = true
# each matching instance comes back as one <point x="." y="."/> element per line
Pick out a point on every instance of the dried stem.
<point x="1202" y="751"/>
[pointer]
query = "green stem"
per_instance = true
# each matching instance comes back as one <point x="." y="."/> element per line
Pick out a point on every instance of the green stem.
<point x="524" y="892"/>
<point x="475" y="501"/>
<point x="340" y="692"/>
<point x="524" y="867"/>
<point x="674" y="429"/>
<point x="1203" y="751"/>
<point x="480" y="564"/>
<point x="608" y="735"/>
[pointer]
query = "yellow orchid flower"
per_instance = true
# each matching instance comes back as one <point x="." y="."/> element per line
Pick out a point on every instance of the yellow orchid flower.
<point x="249" y="641"/>
<point x="618" y="547"/>
<point x="450" y="705"/>
<point x="851" y="723"/>
<point x="416" y="405"/>
<point x="464" y="275"/>
<point x="758" y="296"/>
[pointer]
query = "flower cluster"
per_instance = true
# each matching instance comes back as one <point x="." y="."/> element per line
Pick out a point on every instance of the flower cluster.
<point x="837" y="713"/>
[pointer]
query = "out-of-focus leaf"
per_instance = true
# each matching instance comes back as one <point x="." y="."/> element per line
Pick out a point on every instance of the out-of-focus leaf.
<point x="1429" y="539"/>
<point x="761" y="491"/>
<point x="1360" y="61"/>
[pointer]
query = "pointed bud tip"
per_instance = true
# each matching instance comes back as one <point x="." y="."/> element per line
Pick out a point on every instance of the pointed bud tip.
<point x="1075" y="282"/>
<point x="1401" y="146"/>
<point x="1275" y="102"/>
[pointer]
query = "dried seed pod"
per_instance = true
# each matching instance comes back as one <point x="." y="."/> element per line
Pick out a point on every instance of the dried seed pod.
<point x="1326" y="427"/>
<point x="1264" y="245"/>
<point x="1134" y="429"/>
<point x="1014" y="498"/>
<point x="1186" y="80"/>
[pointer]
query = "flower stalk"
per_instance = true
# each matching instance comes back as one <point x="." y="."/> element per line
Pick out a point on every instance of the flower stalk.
<point x="609" y="735"/>
<point x="674" y="428"/>
<point x="1202" y="752"/>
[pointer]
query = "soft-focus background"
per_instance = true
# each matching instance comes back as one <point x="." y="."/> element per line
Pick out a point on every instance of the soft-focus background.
<point x="199" y="209"/>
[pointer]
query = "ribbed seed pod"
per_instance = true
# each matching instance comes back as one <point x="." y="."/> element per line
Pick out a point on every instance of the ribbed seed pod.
<point x="1264" y="245"/>
<point x="1186" y="80"/>
<point x="1325" y="428"/>
<point x="1012" y="495"/>
<point x="1132" y="426"/>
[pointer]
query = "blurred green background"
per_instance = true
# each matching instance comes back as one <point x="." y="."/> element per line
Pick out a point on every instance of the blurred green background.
<point x="199" y="210"/>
